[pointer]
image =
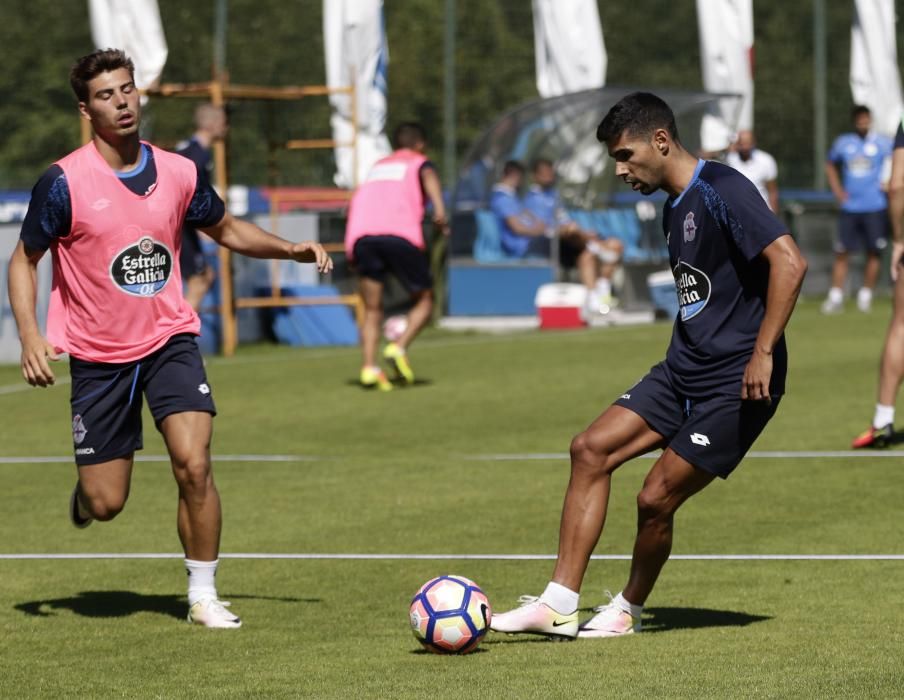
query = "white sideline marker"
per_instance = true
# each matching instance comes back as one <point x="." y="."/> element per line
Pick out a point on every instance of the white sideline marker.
<point x="513" y="457"/>
<point x="444" y="557"/>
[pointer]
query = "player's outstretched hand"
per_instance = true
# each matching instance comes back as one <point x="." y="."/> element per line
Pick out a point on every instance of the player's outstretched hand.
<point x="35" y="367"/>
<point x="756" y="378"/>
<point x="308" y="251"/>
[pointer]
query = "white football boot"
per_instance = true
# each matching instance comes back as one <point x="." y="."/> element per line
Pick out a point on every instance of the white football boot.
<point x="211" y="612"/>
<point x="536" y="617"/>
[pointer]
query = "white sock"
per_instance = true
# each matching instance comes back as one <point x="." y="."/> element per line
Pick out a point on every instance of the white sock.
<point x="865" y="294"/>
<point x="884" y="415"/>
<point x="836" y="296"/>
<point x="603" y="287"/>
<point x="630" y="608"/>
<point x="201" y="579"/>
<point x="562" y="600"/>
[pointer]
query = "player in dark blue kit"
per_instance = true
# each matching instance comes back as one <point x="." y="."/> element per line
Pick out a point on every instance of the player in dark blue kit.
<point x="738" y="274"/>
<point x="210" y="126"/>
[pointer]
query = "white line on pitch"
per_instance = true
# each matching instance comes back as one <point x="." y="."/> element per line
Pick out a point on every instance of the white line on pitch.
<point x="775" y="454"/>
<point x="513" y="457"/>
<point x="442" y="557"/>
<point x="163" y="458"/>
<point x="22" y="386"/>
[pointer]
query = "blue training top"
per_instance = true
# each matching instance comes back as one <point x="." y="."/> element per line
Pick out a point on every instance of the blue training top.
<point x="860" y="161"/>
<point x="716" y="230"/>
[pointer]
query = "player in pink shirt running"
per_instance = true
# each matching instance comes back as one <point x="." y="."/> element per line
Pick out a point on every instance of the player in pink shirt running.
<point x="111" y="215"/>
<point x="384" y="234"/>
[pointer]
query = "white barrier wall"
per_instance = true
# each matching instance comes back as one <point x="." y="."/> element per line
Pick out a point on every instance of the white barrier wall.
<point x="10" y="349"/>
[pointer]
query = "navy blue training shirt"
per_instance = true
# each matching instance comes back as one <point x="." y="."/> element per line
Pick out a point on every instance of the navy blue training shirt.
<point x="49" y="212"/>
<point x="715" y="231"/>
<point x="899" y="135"/>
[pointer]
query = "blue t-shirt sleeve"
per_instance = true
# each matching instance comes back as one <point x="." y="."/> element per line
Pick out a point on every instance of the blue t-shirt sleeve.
<point x="505" y="205"/>
<point x="899" y="135"/>
<point x="752" y="224"/>
<point x="49" y="214"/>
<point x="206" y="208"/>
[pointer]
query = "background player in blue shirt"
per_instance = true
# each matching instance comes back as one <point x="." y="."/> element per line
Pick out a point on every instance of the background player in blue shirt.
<point x="738" y="274"/>
<point x="594" y="257"/>
<point x="881" y="432"/>
<point x="855" y="169"/>
<point x="210" y="126"/>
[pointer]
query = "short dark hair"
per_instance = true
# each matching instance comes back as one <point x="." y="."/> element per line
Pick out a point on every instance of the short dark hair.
<point x="89" y="67"/>
<point x="408" y="135"/>
<point x="537" y="163"/>
<point x="860" y="109"/>
<point x="512" y="166"/>
<point x="638" y="114"/>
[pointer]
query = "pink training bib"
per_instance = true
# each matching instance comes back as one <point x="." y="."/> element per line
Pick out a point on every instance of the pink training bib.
<point x="117" y="286"/>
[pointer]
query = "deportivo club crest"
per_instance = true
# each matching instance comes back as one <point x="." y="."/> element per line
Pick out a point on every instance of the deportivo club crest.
<point x="690" y="228"/>
<point x="78" y="429"/>
<point x="142" y="269"/>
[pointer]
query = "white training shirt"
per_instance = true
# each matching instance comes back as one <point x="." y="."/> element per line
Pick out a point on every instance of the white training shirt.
<point x="760" y="168"/>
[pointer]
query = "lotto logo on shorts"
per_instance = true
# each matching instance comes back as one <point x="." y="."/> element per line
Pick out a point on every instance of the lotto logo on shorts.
<point x="699" y="439"/>
<point x="142" y="269"/>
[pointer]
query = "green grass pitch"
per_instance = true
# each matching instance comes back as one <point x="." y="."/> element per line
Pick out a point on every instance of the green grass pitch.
<point x="399" y="474"/>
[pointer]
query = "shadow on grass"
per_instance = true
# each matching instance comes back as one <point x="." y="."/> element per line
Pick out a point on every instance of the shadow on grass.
<point x="427" y="652"/>
<point x="667" y="619"/>
<point x="396" y="383"/>
<point x="125" y="603"/>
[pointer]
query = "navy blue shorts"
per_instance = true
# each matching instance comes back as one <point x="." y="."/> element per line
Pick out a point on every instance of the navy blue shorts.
<point x="377" y="255"/>
<point x="712" y="433"/>
<point x="191" y="257"/>
<point x="867" y="231"/>
<point x="107" y="398"/>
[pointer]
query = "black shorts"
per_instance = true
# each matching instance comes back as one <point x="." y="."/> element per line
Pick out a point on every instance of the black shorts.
<point x="191" y="257"/>
<point x="377" y="255"/>
<point x="865" y="231"/>
<point x="107" y="398"/>
<point x="712" y="433"/>
<point x="569" y="251"/>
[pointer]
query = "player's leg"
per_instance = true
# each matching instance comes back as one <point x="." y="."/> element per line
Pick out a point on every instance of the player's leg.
<point x="196" y="288"/>
<point x="712" y="441"/>
<point x="101" y="492"/>
<point x="106" y="431"/>
<point x="846" y="241"/>
<point x="418" y="316"/>
<point x="891" y="371"/>
<point x="180" y="400"/>
<point x="617" y="436"/>
<point x="633" y="426"/>
<point x="671" y="481"/>
<point x="371" y="271"/>
<point x="411" y="266"/>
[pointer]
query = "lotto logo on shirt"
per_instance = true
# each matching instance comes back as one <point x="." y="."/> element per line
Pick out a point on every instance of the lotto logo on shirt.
<point x="143" y="269"/>
<point x="693" y="288"/>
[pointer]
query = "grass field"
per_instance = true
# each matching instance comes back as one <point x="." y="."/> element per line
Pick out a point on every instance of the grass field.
<point x="407" y="473"/>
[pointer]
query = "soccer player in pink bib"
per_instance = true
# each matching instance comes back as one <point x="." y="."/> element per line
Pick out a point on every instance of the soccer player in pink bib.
<point x="111" y="214"/>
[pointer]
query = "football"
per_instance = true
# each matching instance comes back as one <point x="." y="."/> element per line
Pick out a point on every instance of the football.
<point x="394" y="326"/>
<point x="450" y="615"/>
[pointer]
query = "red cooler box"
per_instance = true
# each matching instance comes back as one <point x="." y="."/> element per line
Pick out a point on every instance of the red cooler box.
<point x="561" y="305"/>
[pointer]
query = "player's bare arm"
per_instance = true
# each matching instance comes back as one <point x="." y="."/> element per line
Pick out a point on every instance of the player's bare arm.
<point x="896" y="209"/>
<point x="834" y="182"/>
<point x="251" y="240"/>
<point x="36" y="351"/>
<point x="434" y="191"/>
<point x="787" y="268"/>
